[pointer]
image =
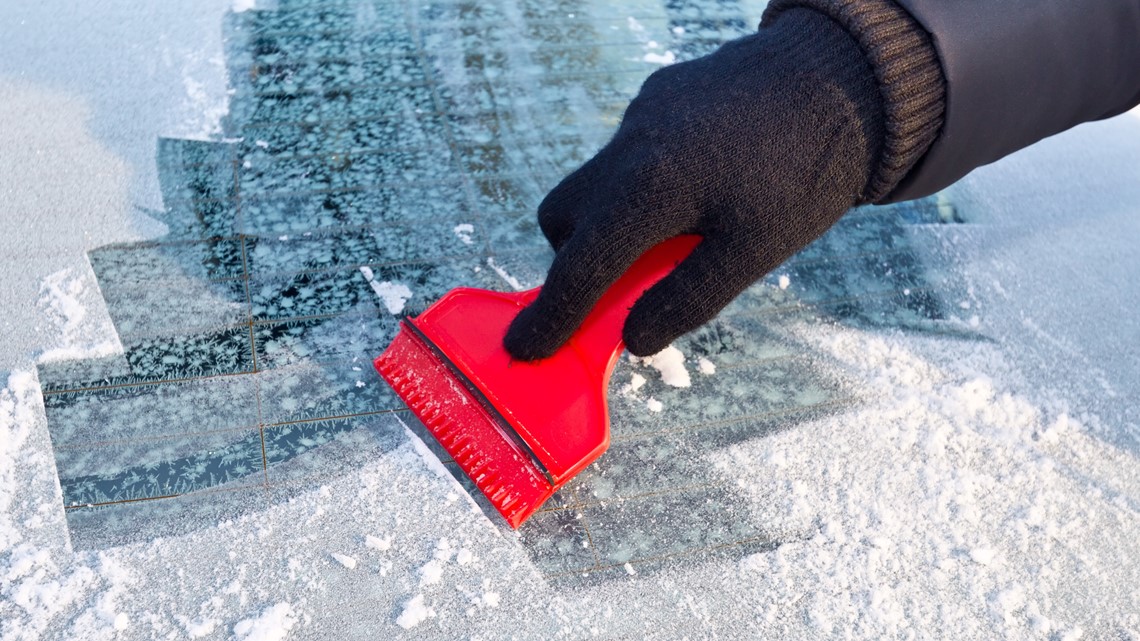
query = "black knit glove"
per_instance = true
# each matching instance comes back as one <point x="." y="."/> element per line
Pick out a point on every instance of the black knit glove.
<point x="758" y="147"/>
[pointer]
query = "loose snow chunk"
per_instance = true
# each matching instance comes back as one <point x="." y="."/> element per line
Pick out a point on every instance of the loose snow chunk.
<point x="393" y="295"/>
<point x="378" y="543"/>
<point x="464" y="232"/>
<point x="784" y="281"/>
<point x="273" y="624"/>
<point x="464" y="556"/>
<point x="706" y="367"/>
<point x="345" y="560"/>
<point x="654" y="405"/>
<point x="983" y="556"/>
<point x="200" y="627"/>
<point x="431" y="572"/>
<point x="241" y="6"/>
<point x="671" y="363"/>
<point x="666" y="58"/>
<point x="415" y="613"/>
<point x="629" y="569"/>
<point x="122" y="621"/>
<point x="491" y="599"/>
<point x="634" y="384"/>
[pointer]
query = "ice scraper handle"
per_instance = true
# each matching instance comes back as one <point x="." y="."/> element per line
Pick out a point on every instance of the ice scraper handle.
<point x="598" y="339"/>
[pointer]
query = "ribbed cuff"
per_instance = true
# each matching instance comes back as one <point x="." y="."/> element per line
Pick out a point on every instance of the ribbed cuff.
<point x="909" y="75"/>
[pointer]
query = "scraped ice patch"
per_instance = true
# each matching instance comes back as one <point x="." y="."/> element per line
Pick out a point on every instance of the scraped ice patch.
<point x="670" y="363"/>
<point x="653" y="57"/>
<point x="392" y="295"/>
<point x="464" y="231"/>
<point x="507" y="278"/>
<point x="705" y="366"/>
<point x="273" y="624"/>
<point x="345" y="560"/>
<point x="415" y="612"/>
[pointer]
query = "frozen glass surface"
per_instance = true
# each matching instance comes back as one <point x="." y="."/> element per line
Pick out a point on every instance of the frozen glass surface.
<point x="377" y="154"/>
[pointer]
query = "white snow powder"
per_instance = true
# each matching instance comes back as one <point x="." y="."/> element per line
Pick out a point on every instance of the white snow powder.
<point x="983" y="556"/>
<point x="121" y="622"/>
<point x="392" y="295"/>
<point x="670" y="362"/>
<point x="200" y="627"/>
<point x="431" y="572"/>
<point x="415" y="613"/>
<point x="705" y="366"/>
<point x="376" y="543"/>
<point x="345" y="560"/>
<point x="636" y="381"/>
<point x="273" y="624"/>
<point x="666" y="58"/>
<point x="464" y="231"/>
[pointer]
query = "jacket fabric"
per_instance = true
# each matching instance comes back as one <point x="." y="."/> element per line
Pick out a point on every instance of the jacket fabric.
<point x="1014" y="72"/>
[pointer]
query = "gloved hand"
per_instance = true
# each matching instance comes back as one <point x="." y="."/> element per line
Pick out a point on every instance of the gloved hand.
<point x="758" y="147"/>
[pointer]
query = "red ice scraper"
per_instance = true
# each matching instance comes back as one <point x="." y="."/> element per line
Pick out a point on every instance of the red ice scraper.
<point x="519" y="430"/>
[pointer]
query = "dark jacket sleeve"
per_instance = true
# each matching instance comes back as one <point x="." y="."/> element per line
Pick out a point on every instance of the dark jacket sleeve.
<point x="1017" y="71"/>
<point x="966" y="82"/>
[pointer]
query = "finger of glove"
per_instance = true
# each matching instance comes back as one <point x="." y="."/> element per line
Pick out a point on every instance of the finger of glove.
<point x="714" y="274"/>
<point x="589" y="262"/>
<point x="566" y="204"/>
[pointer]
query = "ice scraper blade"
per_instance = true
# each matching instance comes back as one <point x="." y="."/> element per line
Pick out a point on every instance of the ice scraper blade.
<point x="519" y="430"/>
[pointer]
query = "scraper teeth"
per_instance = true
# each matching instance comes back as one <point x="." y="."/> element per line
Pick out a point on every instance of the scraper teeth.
<point x="507" y="478"/>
